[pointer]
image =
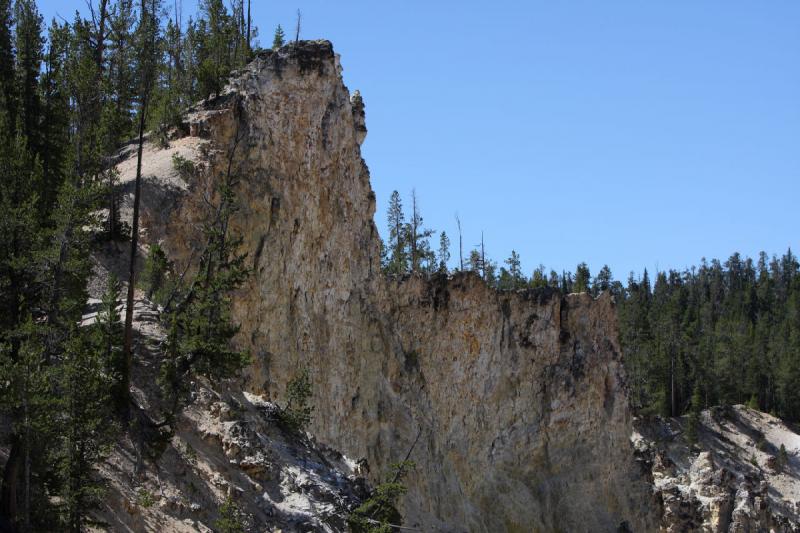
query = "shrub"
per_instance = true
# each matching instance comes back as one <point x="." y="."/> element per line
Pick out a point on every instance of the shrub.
<point x="154" y="278"/>
<point x="230" y="518"/>
<point x="378" y="513"/>
<point x="183" y="166"/>
<point x="783" y="458"/>
<point x="145" y="499"/>
<point x="297" y="414"/>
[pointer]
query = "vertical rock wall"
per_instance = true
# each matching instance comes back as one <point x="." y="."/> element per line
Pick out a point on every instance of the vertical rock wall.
<point x="515" y="400"/>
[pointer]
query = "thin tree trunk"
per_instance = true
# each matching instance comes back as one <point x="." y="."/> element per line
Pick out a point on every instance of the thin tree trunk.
<point x="483" y="258"/>
<point x="248" y="30"/>
<point x="460" y="245"/>
<point x="127" y="349"/>
<point x="9" y="508"/>
<point x="26" y="492"/>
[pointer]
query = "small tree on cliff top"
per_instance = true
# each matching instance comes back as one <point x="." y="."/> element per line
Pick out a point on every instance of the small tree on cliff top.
<point x="279" y="39"/>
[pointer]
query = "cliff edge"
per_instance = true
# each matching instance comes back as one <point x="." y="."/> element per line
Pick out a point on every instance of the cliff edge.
<point x="512" y="404"/>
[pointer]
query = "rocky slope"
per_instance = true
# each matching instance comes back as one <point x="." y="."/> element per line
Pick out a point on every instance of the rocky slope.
<point x="512" y="404"/>
<point x="734" y="478"/>
<point x="227" y="445"/>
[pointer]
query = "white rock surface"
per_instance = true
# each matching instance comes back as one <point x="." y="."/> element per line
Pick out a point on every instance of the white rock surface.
<point x="731" y="480"/>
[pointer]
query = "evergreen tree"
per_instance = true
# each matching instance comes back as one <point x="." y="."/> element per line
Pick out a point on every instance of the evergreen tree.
<point x="603" y="281"/>
<point x="55" y="125"/>
<point x="279" y="39"/>
<point x="397" y="238"/>
<point x="201" y="324"/>
<point x="7" y="89"/>
<point x="582" y="278"/>
<point x="444" y="252"/>
<point x="512" y="278"/>
<point x="85" y="386"/>
<point x="539" y="278"/>
<point x="29" y="42"/>
<point x="421" y="256"/>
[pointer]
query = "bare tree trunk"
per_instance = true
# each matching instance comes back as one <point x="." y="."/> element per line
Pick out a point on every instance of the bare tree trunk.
<point x="248" y="30"/>
<point x="8" y="496"/>
<point x="483" y="258"/>
<point x="414" y="226"/>
<point x="460" y="245"/>
<point x="26" y="487"/>
<point x="127" y="349"/>
<point x="673" y="410"/>
<point x="297" y="30"/>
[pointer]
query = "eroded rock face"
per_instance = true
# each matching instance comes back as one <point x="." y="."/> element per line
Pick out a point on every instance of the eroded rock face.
<point x="511" y="404"/>
<point x="733" y="479"/>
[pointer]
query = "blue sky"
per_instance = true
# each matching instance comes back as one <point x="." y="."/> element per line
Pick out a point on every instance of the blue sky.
<point x="637" y="134"/>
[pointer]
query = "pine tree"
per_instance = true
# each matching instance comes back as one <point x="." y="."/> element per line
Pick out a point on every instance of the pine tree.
<point x="397" y="237"/>
<point x="7" y="89"/>
<point x="582" y="278"/>
<point x="55" y="124"/>
<point x="279" y="39"/>
<point x="513" y="278"/>
<point x="202" y="327"/>
<point x="539" y="278"/>
<point x="29" y="43"/>
<point x="420" y="254"/>
<point x="603" y="281"/>
<point x="444" y="252"/>
<point x="230" y="518"/>
<point x="85" y="385"/>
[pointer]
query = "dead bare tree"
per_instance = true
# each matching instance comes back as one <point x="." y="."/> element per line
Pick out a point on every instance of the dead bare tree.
<point x="460" y="244"/>
<point x="297" y="29"/>
<point x="147" y="82"/>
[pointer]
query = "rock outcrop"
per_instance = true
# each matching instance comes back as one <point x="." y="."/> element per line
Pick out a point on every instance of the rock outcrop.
<point x="734" y="478"/>
<point x="512" y="404"/>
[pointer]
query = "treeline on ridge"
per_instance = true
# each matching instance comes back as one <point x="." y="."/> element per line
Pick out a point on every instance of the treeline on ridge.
<point x="720" y="333"/>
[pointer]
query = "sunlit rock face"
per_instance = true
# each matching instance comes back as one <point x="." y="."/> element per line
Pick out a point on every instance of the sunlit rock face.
<point x="512" y="404"/>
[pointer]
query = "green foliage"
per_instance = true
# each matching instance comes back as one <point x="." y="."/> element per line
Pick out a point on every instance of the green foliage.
<point x="782" y="461"/>
<point x="693" y="422"/>
<point x="67" y="103"/>
<point x="444" y="252"/>
<point x="154" y="278"/>
<point x="183" y="166"/>
<point x="201" y="328"/>
<point x="85" y="386"/>
<point x="279" y="39"/>
<point x="296" y="415"/>
<point x="582" y="278"/>
<point x="230" y="518"/>
<point x="397" y="255"/>
<point x="752" y="403"/>
<point x="145" y="499"/>
<point x="512" y="278"/>
<point x="378" y="514"/>
<point x="730" y="327"/>
<point x="539" y="278"/>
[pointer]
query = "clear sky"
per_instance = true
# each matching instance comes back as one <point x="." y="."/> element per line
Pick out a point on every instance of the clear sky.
<point x="637" y="134"/>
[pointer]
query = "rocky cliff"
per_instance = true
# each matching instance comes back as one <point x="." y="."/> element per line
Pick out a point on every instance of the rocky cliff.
<point x="512" y="404"/>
